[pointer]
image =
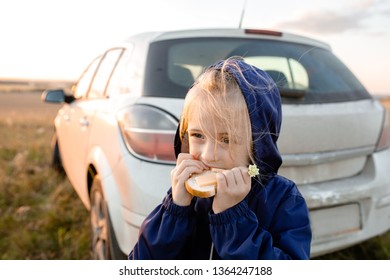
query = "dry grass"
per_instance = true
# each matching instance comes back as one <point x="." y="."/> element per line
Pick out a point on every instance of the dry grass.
<point x="41" y="217"/>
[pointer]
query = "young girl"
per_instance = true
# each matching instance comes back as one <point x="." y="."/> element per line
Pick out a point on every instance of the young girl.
<point x="231" y="119"/>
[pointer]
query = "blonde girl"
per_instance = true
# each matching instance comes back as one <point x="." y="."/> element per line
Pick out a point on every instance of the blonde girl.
<point x="231" y="120"/>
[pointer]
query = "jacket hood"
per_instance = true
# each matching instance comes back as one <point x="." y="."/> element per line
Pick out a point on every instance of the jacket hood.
<point x="264" y="106"/>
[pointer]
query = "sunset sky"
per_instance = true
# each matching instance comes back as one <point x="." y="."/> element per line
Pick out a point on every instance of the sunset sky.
<point x="56" y="39"/>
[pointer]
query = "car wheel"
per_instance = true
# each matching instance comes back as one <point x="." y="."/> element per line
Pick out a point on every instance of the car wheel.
<point x="56" y="158"/>
<point x="104" y="243"/>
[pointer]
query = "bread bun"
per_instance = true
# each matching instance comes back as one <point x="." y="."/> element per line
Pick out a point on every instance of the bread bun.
<point x="203" y="185"/>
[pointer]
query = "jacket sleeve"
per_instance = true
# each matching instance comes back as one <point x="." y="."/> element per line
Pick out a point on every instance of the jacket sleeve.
<point x="236" y="233"/>
<point x="164" y="232"/>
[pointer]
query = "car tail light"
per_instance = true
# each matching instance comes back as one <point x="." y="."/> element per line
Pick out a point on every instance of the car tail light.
<point x="148" y="133"/>
<point x="384" y="139"/>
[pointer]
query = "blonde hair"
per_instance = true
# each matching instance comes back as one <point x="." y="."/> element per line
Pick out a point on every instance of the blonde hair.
<point x="217" y="99"/>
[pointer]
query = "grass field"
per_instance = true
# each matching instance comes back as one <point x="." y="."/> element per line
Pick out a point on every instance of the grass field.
<point x="41" y="216"/>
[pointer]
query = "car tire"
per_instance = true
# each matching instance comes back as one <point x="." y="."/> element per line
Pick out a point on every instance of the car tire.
<point x="56" y="161"/>
<point x="104" y="242"/>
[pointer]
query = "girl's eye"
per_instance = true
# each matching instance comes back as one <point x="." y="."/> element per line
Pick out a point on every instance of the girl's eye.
<point x="225" y="140"/>
<point x="196" y="135"/>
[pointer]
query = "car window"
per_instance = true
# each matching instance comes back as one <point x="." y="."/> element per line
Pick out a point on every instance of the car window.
<point x="82" y="87"/>
<point x="121" y="79"/>
<point x="173" y="65"/>
<point x="102" y="76"/>
<point x="286" y="72"/>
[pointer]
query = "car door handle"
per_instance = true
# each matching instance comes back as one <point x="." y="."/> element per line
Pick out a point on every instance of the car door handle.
<point x="84" y="121"/>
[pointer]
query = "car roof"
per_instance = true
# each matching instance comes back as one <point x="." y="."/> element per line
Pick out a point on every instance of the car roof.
<point x="226" y="33"/>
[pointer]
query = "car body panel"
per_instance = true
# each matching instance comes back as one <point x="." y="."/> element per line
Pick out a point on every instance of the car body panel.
<point x="72" y="129"/>
<point x="335" y="149"/>
<point x="371" y="194"/>
<point x="346" y="125"/>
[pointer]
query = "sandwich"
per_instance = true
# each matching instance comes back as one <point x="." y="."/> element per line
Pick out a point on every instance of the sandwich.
<point x="204" y="184"/>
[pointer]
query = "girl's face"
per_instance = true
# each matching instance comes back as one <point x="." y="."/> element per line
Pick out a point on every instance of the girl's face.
<point x="211" y="144"/>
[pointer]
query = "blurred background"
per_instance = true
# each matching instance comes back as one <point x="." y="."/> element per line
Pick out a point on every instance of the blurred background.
<point x="47" y="44"/>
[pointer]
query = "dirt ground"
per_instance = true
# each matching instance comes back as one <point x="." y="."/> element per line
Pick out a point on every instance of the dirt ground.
<point x="27" y="104"/>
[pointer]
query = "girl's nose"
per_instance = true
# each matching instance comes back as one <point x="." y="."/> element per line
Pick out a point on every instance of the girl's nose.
<point x="208" y="154"/>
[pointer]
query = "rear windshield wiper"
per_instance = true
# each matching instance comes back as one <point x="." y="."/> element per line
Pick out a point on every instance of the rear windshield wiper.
<point x="292" y="93"/>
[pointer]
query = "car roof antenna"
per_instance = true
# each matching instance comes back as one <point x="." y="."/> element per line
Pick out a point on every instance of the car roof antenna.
<point x="242" y="14"/>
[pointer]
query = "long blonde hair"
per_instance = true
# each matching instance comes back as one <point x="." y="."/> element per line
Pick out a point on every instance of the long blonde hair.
<point x="216" y="97"/>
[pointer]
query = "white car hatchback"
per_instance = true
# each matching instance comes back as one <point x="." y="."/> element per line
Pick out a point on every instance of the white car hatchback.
<point x="114" y="133"/>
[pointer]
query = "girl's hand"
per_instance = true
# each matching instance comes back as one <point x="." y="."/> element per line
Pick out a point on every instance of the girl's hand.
<point x="186" y="165"/>
<point x="232" y="187"/>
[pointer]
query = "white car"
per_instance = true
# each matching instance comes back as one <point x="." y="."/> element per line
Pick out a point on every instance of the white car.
<point x="114" y="133"/>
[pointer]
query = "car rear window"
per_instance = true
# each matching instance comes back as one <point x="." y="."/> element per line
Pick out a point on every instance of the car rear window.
<point x="303" y="73"/>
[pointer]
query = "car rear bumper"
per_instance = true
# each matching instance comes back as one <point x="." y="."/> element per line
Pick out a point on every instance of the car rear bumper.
<point x="348" y="211"/>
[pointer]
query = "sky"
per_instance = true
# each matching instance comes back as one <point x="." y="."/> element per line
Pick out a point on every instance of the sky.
<point x="56" y="39"/>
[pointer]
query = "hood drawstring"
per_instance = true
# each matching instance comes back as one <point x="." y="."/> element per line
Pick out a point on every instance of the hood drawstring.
<point x="211" y="251"/>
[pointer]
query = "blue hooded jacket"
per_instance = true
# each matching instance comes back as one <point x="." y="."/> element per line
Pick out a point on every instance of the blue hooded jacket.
<point x="272" y="222"/>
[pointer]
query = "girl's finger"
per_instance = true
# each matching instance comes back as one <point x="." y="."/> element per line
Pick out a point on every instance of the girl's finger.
<point x="245" y="175"/>
<point x="187" y="163"/>
<point x="188" y="159"/>
<point x="230" y="178"/>
<point x="183" y="156"/>
<point x="238" y="176"/>
<point x="221" y="182"/>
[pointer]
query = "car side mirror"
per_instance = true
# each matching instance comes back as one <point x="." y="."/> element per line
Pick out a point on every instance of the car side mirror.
<point x="56" y="96"/>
